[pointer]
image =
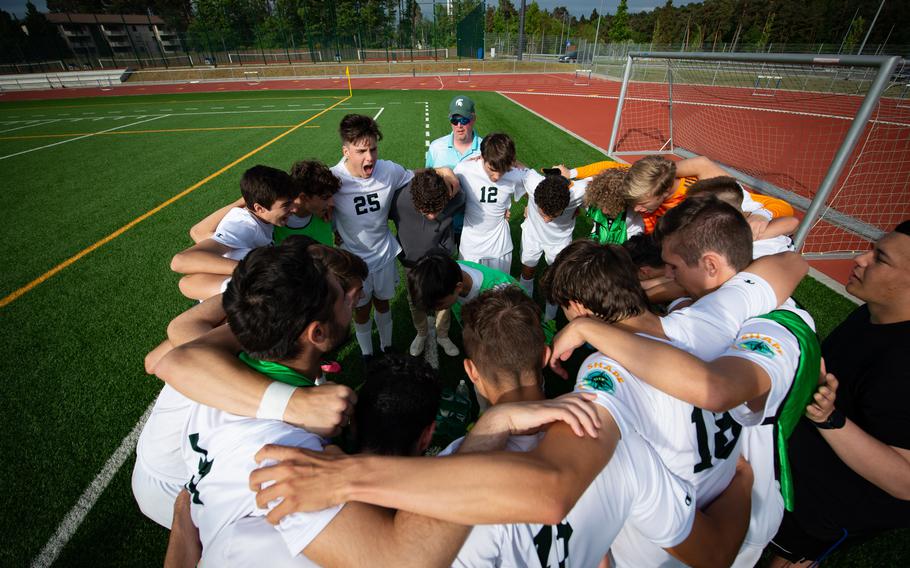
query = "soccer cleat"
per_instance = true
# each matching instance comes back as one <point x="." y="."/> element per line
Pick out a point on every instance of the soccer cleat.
<point x="418" y="345"/>
<point x="450" y="348"/>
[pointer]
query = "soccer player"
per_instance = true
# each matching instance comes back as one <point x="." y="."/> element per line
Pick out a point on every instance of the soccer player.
<point x="268" y="195"/>
<point x="362" y="207"/>
<point x="548" y="225"/>
<point x="611" y="221"/>
<point x="490" y="184"/>
<point x="463" y="143"/>
<point x="160" y="473"/>
<point x="772" y="239"/>
<point x="765" y="379"/>
<point x="439" y="282"/>
<point x="630" y="484"/>
<point x="313" y="207"/>
<point x="424" y="213"/>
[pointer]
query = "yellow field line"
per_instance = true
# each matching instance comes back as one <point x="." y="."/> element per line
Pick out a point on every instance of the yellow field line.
<point x="33" y="136"/>
<point x="28" y="287"/>
<point x="176" y="101"/>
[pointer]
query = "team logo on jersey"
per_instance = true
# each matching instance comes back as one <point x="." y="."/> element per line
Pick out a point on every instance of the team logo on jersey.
<point x="760" y="344"/>
<point x="600" y="381"/>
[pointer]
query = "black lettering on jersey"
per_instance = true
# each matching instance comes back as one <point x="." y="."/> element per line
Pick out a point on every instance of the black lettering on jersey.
<point x="545" y="540"/>
<point x="364" y="204"/>
<point x="726" y="432"/>
<point x="205" y="466"/>
<point x="488" y="194"/>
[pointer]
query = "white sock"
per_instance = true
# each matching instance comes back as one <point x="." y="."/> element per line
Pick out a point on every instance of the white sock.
<point x="364" y="333"/>
<point x="384" y="325"/>
<point x="550" y="311"/>
<point x="528" y="285"/>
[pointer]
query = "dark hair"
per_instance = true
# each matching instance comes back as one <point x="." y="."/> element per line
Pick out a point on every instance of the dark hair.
<point x="903" y="228"/>
<point x="725" y="188"/>
<point x="399" y="399"/>
<point x="264" y="186"/>
<point x="602" y="278"/>
<point x="604" y="192"/>
<point x="649" y="177"/>
<point x="552" y="195"/>
<point x="644" y="250"/>
<point x="315" y="179"/>
<point x="432" y="278"/>
<point x="265" y="306"/>
<point x="429" y="192"/>
<point x="498" y="151"/>
<point x="357" y="127"/>
<point x="346" y="266"/>
<point x="502" y="335"/>
<point x="704" y="224"/>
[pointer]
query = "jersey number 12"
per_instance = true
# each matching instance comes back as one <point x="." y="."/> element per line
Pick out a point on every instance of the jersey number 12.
<point x="488" y="194"/>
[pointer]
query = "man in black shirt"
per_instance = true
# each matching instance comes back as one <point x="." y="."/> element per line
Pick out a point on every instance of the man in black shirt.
<point x="423" y="211"/>
<point x="851" y="459"/>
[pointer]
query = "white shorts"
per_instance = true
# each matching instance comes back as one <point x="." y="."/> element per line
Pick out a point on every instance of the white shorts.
<point x="155" y="496"/>
<point x="748" y="556"/>
<point x="380" y="284"/>
<point x="502" y="264"/>
<point x="250" y="541"/>
<point x="531" y="249"/>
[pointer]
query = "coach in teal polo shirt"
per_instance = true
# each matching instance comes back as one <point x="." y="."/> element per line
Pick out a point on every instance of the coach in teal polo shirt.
<point x="462" y="142"/>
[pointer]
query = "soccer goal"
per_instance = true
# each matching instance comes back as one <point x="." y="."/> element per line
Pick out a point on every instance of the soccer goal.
<point x="827" y="133"/>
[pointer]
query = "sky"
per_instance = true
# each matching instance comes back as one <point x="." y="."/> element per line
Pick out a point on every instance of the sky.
<point x="576" y="7"/>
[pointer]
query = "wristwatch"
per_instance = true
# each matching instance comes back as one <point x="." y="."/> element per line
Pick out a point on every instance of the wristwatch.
<point x="835" y="421"/>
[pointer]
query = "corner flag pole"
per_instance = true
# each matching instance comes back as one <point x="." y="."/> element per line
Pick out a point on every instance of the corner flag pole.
<point x="347" y="73"/>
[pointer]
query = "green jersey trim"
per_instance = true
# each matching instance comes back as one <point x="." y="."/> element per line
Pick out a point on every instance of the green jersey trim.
<point x="319" y="229"/>
<point x="607" y="230"/>
<point x="805" y="382"/>
<point x="277" y="371"/>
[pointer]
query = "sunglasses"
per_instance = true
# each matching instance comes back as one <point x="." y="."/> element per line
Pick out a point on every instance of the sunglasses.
<point x="462" y="120"/>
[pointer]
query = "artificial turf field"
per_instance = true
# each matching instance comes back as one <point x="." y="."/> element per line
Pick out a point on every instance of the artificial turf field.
<point x="78" y="170"/>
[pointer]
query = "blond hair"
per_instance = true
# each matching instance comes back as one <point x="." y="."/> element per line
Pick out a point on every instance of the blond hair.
<point x="649" y="177"/>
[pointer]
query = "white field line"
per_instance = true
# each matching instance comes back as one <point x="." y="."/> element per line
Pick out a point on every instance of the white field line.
<point x="378" y="113"/>
<point x="441" y="84"/>
<point x="70" y="523"/>
<point x="714" y="105"/>
<point x="30" y="125"/>
<point x="567" y="131"/>
<point x="173" y="114"/>
<point x="81" y="137"/>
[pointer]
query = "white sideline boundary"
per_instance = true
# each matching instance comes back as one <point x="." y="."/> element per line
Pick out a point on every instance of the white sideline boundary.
<point x="80" y="137"/>
<point x="71" y="522"/>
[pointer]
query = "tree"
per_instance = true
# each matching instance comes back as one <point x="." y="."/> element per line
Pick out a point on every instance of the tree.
<point x="619" y="29"/>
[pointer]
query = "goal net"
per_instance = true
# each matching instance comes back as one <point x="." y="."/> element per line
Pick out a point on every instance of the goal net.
<point x="829" y="134"/>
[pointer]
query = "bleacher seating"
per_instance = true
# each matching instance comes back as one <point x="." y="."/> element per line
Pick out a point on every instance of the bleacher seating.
<point x="63" y="80"/>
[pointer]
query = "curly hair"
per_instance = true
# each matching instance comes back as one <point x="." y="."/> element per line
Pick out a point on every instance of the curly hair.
<point x="552" y="196"/>
<point x="315" y="179"/>
<point x="605" y="192"/>
<point x="429" y="192"/>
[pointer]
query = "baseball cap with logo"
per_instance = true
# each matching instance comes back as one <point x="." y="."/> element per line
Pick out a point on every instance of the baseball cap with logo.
<point x="462" y="106"/>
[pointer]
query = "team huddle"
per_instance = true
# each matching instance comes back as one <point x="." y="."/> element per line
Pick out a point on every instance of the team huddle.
<point x="673" y="448"/>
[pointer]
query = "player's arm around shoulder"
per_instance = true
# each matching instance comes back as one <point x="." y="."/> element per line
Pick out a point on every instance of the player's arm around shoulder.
<point x="206" y="228"/>
<point x="204" y="257"/>
<point x="783" y="272"/>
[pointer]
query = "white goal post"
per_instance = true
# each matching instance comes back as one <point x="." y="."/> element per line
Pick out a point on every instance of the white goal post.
<point x="830" y="134"/>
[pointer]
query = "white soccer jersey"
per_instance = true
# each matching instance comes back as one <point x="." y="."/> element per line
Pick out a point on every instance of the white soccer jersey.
<point x="558" y="232"/>
<point x="633" y="488"/>
<point x="220" y="447"/>
<point x="773" y="348"/>
<point x="774" y="245"/>
<point x="486" y="230"/>
<point x="707" y="327"/>
<point x="242" y="231"/>
<point x="362" y="211"/>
